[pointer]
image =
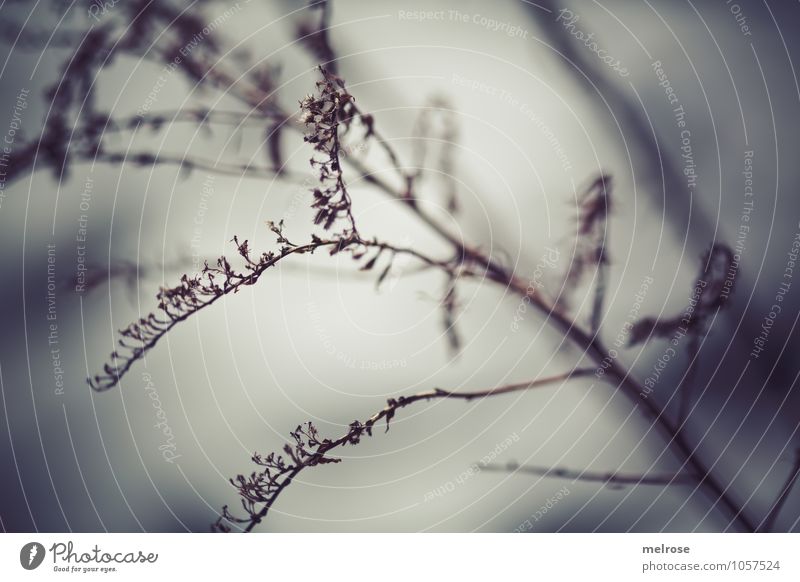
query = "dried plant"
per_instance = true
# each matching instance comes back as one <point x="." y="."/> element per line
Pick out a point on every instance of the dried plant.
<point x="76" y="131"/>
<point x="324" y="115"/>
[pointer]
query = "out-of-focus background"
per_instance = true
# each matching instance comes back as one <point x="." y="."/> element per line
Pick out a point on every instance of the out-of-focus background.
<point x="535" y="113"/>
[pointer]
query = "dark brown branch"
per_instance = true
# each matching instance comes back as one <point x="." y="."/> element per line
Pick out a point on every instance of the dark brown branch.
<point x="22" y="160"/>
<point x="261" y="490"/>
<point x="196" y="293"/>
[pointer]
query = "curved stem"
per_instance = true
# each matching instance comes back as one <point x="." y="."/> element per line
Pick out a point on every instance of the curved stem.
<point x="279" y="483"/>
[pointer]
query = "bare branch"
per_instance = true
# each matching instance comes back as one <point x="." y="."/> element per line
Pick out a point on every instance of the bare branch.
<point x="609" y="478"/>
<point x="156" y="120"/>
<point x="449" y="307"/>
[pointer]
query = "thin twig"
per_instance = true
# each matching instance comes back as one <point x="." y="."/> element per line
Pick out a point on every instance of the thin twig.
<point x="614" y="478"/>
<point x="195" y="163"/>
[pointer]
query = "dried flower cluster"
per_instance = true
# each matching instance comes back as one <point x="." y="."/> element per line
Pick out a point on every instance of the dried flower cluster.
<point x="324" y="114"/>
<point x="261" y="489"/>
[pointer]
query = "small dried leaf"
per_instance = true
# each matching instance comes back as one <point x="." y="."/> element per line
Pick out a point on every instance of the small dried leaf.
<point x="383" y="274"/>
<point x="371" y="263"/>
